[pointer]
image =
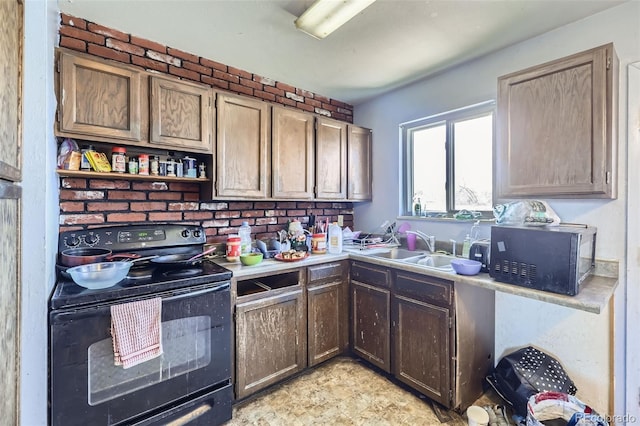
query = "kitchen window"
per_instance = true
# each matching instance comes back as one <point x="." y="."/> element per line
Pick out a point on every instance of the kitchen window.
<point x="447" y="162"/>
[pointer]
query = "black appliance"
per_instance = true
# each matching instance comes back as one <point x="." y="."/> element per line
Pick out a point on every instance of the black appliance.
<point x="480" y="250"/>
<point x="554" y="259"/>
<point x="190" y="383"/>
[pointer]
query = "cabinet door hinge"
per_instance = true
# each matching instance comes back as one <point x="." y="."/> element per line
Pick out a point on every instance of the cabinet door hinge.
<point x="607" y="177"/>
<point x="450" y="395"/>
<point x="58" y="65"/>
<point x="450" y="322"/>
<point x="608" y="62"/>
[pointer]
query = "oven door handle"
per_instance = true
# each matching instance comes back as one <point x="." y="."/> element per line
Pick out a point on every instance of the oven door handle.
<point x="196" y="293"/>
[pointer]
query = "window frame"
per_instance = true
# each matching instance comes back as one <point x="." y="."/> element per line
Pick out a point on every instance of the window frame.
<point x="448" y="118"/>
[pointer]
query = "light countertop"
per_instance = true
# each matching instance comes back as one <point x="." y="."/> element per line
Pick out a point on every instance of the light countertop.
<point x="595" y="291"/>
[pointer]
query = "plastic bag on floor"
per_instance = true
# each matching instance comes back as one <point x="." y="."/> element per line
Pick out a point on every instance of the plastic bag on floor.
<point x="546" y="406"/>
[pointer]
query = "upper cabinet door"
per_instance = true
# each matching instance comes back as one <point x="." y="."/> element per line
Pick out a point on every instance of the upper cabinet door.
<point x="99" y="99"/>
<point x="292" y="154"/>
<point x="242" y="147"/>
<point x="181" y="115"/>
<point x="11" y="32"/>
<point x="359" y="163"/>
<point x="331" y="159"/>
<point x="556" y="128"/>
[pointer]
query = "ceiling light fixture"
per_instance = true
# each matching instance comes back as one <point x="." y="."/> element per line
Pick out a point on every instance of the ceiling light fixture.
<point x="326" y="16"/>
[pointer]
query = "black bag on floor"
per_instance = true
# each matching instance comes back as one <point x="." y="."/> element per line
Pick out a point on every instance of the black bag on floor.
<point x="526" y="372"/>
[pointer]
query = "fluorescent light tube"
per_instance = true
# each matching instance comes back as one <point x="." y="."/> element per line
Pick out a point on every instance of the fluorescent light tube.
<point x="326" y="16"/>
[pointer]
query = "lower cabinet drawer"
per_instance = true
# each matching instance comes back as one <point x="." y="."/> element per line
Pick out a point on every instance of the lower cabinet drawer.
<point x="373" y="275"/>
<point x="427" y="289"/>
<point x="324" y="272"/>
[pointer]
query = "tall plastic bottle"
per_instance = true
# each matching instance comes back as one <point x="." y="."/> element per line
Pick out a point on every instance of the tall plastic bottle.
<point x="245" y="238"/>
<point x="335" y="239"/>
<point x="466" y="246"/>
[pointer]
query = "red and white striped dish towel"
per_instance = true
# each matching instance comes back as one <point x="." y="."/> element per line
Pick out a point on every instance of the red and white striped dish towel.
<point x="136" y="331"/>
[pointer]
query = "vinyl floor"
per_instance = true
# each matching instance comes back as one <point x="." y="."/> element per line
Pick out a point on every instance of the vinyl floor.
<point x="340" y="392"/>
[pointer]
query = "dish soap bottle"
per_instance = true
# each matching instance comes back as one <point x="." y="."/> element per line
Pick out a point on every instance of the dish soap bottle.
<point x="335" y="239"/>
<point x="466" y="246"/>
<point x="245" y="238"/>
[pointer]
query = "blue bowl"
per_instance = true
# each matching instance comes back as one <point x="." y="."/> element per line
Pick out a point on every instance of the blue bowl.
<point x="466" y="266"/>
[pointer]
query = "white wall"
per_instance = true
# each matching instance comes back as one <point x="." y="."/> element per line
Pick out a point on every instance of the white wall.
<point x="580" y="340"/>
<point x="39" y="206"/>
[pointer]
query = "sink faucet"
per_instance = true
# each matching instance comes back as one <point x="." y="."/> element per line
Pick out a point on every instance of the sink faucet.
<point x="430" y="240"/>
<point x="453" y="243"/>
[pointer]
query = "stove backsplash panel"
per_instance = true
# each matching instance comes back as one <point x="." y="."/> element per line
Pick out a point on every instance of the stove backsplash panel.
<point x="89" y="203"/>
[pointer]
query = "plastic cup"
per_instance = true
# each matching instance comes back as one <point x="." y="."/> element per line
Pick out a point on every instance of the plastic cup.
<point x="477" y="416"/>
<point x="411" y="242"/>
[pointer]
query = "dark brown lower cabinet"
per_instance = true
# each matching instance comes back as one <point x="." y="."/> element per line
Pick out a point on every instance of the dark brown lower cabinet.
<point x="435" y="335"/>
<point x="271" y="334"/>
<point x="327" y="311"/>
<point x="422" y="340"/>
<point x="370" y="314"/>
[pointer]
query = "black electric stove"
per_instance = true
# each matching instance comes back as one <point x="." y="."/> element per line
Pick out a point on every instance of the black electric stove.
<point x="145" y="278"/>
<point x="189" y="383"/>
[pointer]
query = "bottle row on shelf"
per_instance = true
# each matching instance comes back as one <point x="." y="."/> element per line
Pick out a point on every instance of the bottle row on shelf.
<point x="70" y="157"/>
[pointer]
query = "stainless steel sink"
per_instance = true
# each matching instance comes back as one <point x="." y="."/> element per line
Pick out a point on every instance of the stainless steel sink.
<point x="440" y="262"/>
<point x="400" y="254"/>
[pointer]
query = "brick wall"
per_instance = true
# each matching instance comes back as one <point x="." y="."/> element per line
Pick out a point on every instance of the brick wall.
<point x="88" y="37"/>
<point x="87" y="203"/>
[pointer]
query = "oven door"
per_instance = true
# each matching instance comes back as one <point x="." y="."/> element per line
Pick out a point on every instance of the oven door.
<point x="86" y="386"/>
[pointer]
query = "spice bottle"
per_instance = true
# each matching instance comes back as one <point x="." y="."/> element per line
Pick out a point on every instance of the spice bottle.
<point x="155" y="166"/>
<point x="233" y="248"/>
<point x="133" y="165"/>
<point x="171" y="167"/>
<point x="118" y="159"/>
<point x="143" y="164"/>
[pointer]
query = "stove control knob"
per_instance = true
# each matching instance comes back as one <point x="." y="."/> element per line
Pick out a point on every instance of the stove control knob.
<point x="185" y="233"/>
<point x="91" y="239"/>
<point x="196" y="233"/>
<point x="72" y="242"/>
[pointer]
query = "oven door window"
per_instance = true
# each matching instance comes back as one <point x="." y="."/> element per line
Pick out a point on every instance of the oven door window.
<point x="186" y="344"/>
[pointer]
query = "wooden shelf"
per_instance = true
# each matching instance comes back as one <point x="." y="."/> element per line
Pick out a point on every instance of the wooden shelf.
<point x="125" y="176"/>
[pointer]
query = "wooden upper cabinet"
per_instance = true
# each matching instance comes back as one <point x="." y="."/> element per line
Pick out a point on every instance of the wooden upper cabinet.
<point x="557" y="128"/>
<point x="11" y="90"/>
<point x="359" y="163"/>
<point x="99" y="99"/>
<point x="181" y="114"/>
<point x="331" y="159"/>
<point x="242" y="147"/>
<point x="292" y="153"/>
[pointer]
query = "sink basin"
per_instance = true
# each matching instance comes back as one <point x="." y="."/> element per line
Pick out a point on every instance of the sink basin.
<point x="400" y="254"/>
<point x="440" y="262"/>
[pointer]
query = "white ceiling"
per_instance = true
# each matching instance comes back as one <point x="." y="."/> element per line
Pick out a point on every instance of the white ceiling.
<point x="389" y="44"/>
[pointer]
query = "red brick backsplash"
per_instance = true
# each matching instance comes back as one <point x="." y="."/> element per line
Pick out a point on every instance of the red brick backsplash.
<point x="87" y="203"/>
<point x="89" y="37"/>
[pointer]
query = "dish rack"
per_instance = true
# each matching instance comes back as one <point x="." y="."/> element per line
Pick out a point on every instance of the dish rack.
<point x="387" y="239"/>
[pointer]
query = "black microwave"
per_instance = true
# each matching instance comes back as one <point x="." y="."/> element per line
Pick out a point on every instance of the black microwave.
<point x="555" y="259"/>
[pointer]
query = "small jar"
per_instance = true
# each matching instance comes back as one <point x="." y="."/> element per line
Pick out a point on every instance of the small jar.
<point x="118" y="159"/>
<point x="154" y="166"/>
<point x="171" y="167"/>
<point x="133" y="165"/>
<point x="143" y="164"/>
<point x="233" y="248"/>
<point x="319" y="243"/>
